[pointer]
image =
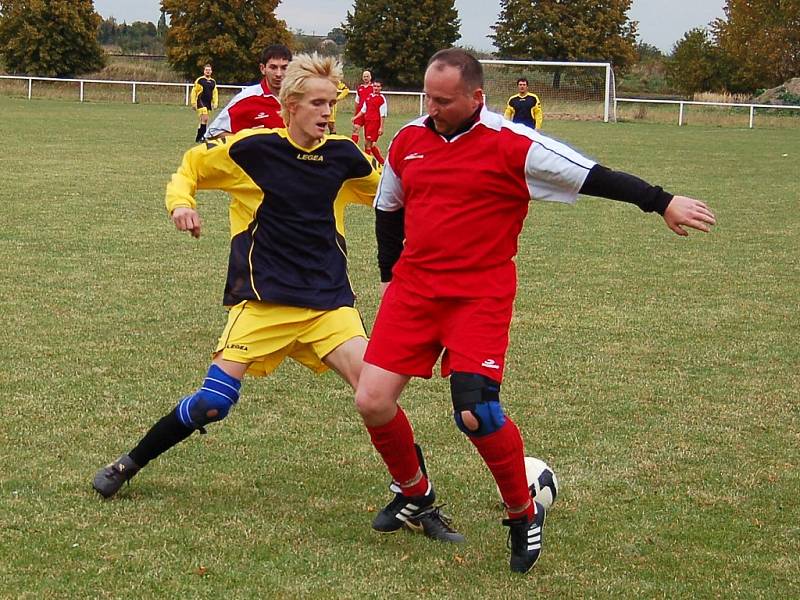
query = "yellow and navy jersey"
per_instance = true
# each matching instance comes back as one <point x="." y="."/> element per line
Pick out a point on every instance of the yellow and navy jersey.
<point x="525" y="109"/>
<point x="286" y="246"/>
<point x="204" y="93"/>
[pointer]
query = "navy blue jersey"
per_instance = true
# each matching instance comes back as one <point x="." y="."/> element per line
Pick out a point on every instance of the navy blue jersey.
<point x="286" y="245"/>
<point x="204" y="93"/>
<point x="525" y="109"/>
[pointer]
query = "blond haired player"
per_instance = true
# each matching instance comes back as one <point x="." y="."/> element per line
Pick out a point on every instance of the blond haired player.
<point x="284" y="299"/>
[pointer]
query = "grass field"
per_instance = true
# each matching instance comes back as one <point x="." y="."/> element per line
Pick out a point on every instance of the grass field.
<point x="658" y="375"/>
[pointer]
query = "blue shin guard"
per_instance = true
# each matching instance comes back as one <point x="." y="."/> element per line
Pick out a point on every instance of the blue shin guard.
<point x="211" y="402"/>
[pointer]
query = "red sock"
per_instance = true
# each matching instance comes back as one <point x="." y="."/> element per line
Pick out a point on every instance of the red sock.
<point x="394" y="441"/>
<point x="504" y="454"/>
<point x="376" y="152"/>
<point x="354" y="137"/>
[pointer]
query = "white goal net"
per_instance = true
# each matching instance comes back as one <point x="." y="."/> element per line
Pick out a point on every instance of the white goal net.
<point x="567" y="90"/>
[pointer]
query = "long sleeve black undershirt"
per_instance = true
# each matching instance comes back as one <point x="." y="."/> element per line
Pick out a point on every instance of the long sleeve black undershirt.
<point x="601" y="182"/>
<point x="390" y="231"/>
<point x="617" y="185"/>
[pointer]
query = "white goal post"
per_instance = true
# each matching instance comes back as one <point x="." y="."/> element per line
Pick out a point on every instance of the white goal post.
<point x="567" y="90"/>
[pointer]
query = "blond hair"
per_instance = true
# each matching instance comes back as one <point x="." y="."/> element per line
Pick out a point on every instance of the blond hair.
<point x="302" y="68"/>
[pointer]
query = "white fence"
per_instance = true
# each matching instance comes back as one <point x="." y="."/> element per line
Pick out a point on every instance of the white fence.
<point x="132" y="84"/>
<point x="682" y="103"/>
<point x="187" y="87"/>
<point x="420" y="95"/>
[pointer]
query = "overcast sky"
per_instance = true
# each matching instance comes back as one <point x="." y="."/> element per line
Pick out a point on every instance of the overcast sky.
<point x="661" y="23"/>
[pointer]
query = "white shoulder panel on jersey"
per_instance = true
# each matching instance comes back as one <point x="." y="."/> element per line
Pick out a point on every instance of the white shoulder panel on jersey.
<point x="418" y="122"/>
<point x="222" y="122"/>
<point x="492" y="120"/>
<point x="554" y="172"/>
<point x="390" y="196"/>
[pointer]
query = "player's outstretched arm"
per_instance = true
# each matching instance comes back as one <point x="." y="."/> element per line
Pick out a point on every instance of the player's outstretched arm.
<point x="683" y="212"/>
<point x="679" y="212"/>
<point x="187" y="219"/>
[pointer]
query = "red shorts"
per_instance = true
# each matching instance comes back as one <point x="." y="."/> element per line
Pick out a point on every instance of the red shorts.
<point x="359" y="120"/>
<point x="411" y="331"/>
<point x="371" y="129"/>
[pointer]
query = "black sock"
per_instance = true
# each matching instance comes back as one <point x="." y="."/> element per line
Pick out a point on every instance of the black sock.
<point x="162" y="436"/>
<point x="420" y="458"/>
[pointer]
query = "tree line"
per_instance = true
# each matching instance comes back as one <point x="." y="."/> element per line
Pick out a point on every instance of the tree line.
<point x="756" y="45"/>
<point x="139" y="37"/>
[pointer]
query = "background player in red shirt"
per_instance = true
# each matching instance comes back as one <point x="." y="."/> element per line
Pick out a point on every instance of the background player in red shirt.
<point x="374" y="111"/>
<point x="256" y="105"/>
<point x="450" y="206"/>
<point x="362" y="91"/>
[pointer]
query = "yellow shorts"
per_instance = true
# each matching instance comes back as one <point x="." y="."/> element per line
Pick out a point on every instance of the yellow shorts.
<point x="263" y="334"/>
<point x="202" y="110"/>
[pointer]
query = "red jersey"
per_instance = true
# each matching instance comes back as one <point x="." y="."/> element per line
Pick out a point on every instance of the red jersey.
<point x="374" y="107"/>
<point x="254" y="106"/>
<point x="465" y="200"/>
<point x="362" y="91"/>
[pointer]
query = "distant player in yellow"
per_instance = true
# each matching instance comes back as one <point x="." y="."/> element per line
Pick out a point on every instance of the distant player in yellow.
<point x="524" y="107"/>
<point x="342" y="92"/>
<point x="204" y="99"/>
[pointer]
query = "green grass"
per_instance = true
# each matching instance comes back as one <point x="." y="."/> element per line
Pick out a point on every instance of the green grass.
<point x="658" y="375"/>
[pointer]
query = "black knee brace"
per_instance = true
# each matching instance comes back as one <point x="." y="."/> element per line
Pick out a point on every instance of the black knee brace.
<point x="480" y="396"/>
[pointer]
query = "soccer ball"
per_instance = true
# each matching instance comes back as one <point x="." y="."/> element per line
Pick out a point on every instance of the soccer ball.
<point x="542" y="481"/>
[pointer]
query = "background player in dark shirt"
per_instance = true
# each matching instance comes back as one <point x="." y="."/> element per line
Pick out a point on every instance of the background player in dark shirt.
<point x="344" y="91"/>
<point x="204" y="99"/>
<point x="524" y="107"/>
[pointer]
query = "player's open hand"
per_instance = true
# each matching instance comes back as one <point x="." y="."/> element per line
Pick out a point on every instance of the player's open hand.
<point x="687" y="212"/>
<point x="187" y="219"/>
